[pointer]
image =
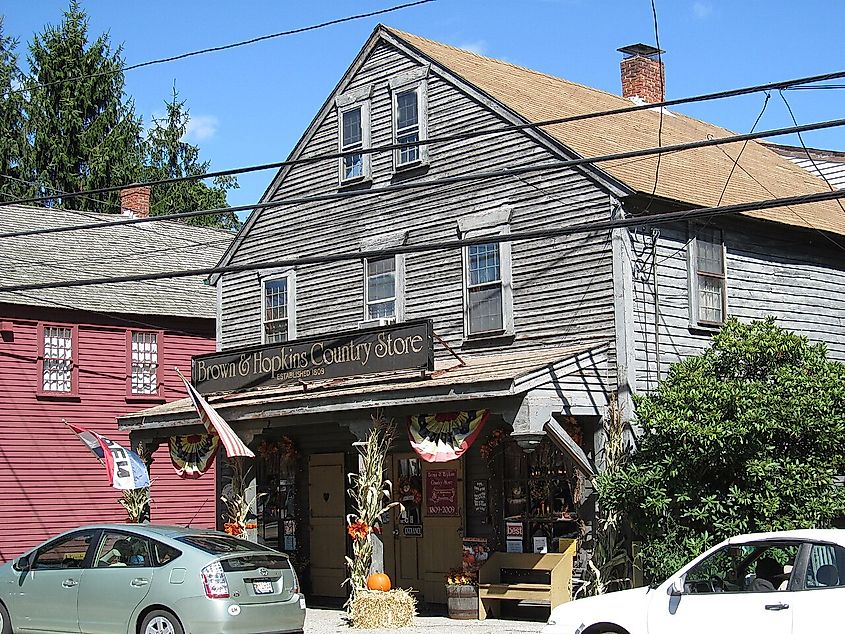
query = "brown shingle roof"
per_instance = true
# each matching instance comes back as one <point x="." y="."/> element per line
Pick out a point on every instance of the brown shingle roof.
<point x="695" y="176"/>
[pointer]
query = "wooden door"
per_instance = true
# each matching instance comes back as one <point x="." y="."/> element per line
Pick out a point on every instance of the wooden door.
<point x="406" y="523"/>
<point x="443" y="511"/>
<point x="327" y="499"/>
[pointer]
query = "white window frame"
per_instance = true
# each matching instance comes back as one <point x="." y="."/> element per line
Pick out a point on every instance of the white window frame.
<point x="694" y="276"/>
<point x="505" y="279"/>
<point x="415" y="81"/>
<point x="290" y="278"/>
<point x="398" y="289"/>
<point x="354" y="100"/>
<point x="141" y="361"/>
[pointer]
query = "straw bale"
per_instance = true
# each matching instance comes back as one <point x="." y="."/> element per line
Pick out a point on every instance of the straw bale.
<point x="374" y="609"/>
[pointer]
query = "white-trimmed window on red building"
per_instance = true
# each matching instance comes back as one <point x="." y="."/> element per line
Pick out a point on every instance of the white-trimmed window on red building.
<point x="57" y="359"/>
<point x="144" y="363"/>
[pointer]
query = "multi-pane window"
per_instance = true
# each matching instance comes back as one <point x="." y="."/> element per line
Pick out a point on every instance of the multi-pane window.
<point x="709" y="276"/>
<point x="380" y="288"/>
<point x="352" y="138"/>
<point x="57" y="372"/>
<point x="144" y="353"/>
<point x="408" y="126"/>
<point x="484" y="288"/>
<point x="275" y="318"/>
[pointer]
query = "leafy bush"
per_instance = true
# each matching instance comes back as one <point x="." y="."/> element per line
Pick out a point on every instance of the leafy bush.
<point x="745" y="437"/>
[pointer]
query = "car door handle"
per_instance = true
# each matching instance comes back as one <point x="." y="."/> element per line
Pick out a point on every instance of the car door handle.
<point x="70" y="583"/>
<point x="139" y="582"/>
<point x="775" y="607"/>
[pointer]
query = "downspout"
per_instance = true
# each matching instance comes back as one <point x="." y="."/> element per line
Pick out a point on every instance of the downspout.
<point x="655" y="234"/>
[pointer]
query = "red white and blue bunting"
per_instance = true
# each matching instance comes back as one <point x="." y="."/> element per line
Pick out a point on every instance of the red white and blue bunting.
<point x="446" y="436"/>
<point x="193" y="455"/>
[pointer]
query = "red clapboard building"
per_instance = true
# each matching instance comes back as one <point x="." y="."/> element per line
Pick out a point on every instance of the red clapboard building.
<point x="89" y="354"/>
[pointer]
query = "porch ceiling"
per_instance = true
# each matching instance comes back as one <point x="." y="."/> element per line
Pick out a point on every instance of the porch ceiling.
<point x="482" y="377"/>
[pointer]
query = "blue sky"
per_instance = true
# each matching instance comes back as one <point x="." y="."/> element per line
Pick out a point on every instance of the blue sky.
<point x="250" y="105"/>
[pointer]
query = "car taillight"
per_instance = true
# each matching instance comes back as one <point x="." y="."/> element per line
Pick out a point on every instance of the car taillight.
<point x="214" y="580"/>
<point x="295" y="578"/>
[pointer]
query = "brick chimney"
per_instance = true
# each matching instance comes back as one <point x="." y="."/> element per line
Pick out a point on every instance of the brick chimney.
<point x="642" y="73"/>
<point x="135" y="201"/>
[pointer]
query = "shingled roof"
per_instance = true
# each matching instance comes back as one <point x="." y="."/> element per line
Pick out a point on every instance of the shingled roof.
<point x="694" y="177"/>
<point x="109" y="251"/>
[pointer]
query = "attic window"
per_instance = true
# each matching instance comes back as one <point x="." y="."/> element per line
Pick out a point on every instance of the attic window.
<point x="410" y="124"/>
<point x="708" y="282"/>
<point x="353" y="114"/>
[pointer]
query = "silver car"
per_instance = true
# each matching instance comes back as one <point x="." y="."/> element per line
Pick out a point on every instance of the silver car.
<point x="148" y="579"/>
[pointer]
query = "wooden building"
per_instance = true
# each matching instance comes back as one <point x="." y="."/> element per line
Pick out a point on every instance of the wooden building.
<point x="87" y="355"/>
<point x="535" y="335"/>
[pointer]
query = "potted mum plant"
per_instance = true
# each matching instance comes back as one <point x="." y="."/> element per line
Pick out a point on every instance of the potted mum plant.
<point x="462" y="594"/>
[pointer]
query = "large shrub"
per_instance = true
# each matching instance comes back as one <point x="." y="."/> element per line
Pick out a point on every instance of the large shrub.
<point x="748" y="436"/>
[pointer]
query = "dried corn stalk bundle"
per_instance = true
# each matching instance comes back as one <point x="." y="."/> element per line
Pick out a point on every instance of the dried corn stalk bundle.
<point x="375" y="609"/>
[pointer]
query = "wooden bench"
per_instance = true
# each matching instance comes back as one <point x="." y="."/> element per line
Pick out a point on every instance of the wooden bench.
<point x="525" y="577"/>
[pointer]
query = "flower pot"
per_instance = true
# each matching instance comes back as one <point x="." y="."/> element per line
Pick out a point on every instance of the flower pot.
<point x="462" y="602"/>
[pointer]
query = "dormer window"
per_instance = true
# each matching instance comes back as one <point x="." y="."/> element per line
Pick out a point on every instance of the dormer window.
<point x="353" y="115"/>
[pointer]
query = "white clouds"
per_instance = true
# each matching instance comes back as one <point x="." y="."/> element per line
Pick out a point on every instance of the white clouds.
<point x="702" y="10"/>
<point x="479" y="47"/>
<point x="201" y="127"/>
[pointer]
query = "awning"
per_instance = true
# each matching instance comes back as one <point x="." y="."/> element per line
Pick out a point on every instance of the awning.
<point x="564" y="442"/>
<point x="482" y="377"/>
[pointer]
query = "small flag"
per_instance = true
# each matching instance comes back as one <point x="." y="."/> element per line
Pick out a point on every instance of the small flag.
<point x="214" y="423"/>
<point x="125" y="468"/>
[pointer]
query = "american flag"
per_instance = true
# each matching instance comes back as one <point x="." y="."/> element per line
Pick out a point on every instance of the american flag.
<point x="214" y="423"/>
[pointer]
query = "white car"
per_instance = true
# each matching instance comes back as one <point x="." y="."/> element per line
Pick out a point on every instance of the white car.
<point x="772" y="583"/>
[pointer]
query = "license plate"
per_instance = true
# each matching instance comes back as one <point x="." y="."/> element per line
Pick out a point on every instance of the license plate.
<point x="262" y="587"/>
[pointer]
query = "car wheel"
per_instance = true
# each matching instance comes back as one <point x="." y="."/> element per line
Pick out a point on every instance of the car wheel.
<point x="5" y="621"/>
<point x="160" y="622"/>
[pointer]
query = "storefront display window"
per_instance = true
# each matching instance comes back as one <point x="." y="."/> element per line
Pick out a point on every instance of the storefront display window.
<point x="277" y="502"/>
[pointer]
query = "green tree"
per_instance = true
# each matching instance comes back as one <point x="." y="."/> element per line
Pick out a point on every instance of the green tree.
<point x="170" y="156"/>
<point x="745" y="437"/>
<point x="84" y="132"/>
<point x="13" y="143"/>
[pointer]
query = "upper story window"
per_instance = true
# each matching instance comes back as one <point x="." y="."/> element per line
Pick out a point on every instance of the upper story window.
<point x="144" y="360"/>
<point x="383" y="288"/>
<point x="353" y="111"/>
<point x="277" y="315"/>
<point x="488" y="295"/>
<point x="410" y="117"/>
<point x="57" y="359"/>
<point x="708" y="283"/>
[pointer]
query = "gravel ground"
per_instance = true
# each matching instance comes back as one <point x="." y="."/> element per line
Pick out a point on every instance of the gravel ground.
<point x="323" y="621"/>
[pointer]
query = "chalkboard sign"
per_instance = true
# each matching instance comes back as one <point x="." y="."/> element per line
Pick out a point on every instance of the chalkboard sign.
<point x="479" y="496"/>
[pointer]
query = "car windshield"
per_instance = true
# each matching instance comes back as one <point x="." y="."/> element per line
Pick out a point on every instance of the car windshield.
<point x="221" y="544"/>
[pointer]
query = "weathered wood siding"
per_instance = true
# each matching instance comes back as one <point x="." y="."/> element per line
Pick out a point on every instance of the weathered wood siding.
<point x="561" y="287"/>
<point x="794" y="275"/>
<point x="49" y="481"/>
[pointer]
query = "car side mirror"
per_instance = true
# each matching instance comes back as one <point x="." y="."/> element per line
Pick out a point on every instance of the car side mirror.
<point x="23" y="564"/>
<point x="676" y="588"/>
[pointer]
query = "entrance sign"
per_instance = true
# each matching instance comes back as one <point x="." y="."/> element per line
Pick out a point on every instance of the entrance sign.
<point x="441" y="492"/>
<point x="403" y="346"/>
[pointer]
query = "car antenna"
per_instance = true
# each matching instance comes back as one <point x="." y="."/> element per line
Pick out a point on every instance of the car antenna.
<point x="202" y="506"/>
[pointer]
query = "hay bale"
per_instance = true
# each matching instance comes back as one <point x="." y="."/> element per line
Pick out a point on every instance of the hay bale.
<point x="372" y="609"/>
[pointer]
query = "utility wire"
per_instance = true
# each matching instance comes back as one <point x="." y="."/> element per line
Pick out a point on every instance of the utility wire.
<point x="449" y="180"/>
<point x="214" y="49"/>
<point x="470" y="134"/>
<point x="663" y="98"/>
<point x="588" y="227"/>
<point x="809" y="156"/>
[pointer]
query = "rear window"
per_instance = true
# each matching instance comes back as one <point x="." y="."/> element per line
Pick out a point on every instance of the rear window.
<point x="253" y="562"/>
<point x="221" y="544"/>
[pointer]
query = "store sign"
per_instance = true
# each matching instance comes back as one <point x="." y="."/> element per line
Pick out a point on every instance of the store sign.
<point x="404" y="346"/>
<point x="412" y="530"/>
<point x="441" y="492"/>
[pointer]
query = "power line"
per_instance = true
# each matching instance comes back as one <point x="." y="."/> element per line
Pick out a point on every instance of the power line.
<point x="663" y="97"/>
<point x="470" y="134"/>
<point x="214" y="49"/>
<point x="449" y="180"/>
<point x="589" y="227"/>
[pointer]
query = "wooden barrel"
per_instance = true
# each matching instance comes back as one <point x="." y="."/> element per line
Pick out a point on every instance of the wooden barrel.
<point x="462" y="602"/>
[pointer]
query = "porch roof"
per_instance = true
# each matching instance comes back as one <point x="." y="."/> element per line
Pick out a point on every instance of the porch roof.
<point x="481" y="377"/>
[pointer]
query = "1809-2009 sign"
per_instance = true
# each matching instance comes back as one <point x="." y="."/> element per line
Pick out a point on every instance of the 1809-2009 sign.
<point x="404" y="346"/>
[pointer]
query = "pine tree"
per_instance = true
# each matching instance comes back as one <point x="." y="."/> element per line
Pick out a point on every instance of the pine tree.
<point x="170" y="156"/>
<point x="13" y="143"/>
<point x="84" y="132"/>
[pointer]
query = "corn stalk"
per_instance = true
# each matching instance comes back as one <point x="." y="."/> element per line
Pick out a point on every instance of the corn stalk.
<point x="136" y="501"/>
<point x="370" y="494"/>
<point x="239" y="502"/>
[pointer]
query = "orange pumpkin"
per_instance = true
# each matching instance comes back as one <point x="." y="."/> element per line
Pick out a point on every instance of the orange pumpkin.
<point x="378" y="581"/>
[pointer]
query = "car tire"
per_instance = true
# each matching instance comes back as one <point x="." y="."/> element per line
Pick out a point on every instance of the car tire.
<point x="5" y="621"/>
<point x="160" y="622"/>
